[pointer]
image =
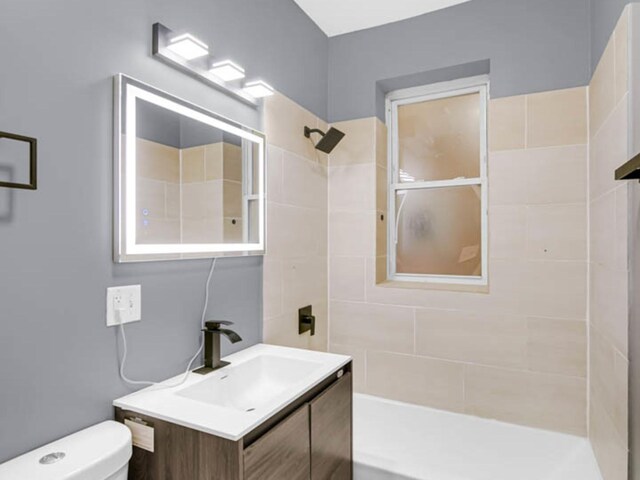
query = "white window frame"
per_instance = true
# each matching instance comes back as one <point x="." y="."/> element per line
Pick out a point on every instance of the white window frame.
<point x="407" y="96"/>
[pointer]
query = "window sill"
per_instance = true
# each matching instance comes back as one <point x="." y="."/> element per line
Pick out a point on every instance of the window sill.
<point x="446" y="287"/>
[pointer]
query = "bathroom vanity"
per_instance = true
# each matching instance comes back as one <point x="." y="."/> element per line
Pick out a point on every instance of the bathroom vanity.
<point x="274" y="413"/>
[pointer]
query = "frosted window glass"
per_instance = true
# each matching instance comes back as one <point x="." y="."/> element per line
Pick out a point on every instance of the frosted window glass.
<point x="439" y="231"/>
<point x="439" y="139"/>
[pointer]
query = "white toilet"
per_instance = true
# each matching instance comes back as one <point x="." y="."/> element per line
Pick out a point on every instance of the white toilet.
<point x="101" y="452"/>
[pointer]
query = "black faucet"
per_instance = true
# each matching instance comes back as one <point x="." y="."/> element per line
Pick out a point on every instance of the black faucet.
<point x="212" y="331"/>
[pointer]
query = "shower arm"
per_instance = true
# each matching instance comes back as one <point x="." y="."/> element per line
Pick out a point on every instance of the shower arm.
<point x="308" y="131"/>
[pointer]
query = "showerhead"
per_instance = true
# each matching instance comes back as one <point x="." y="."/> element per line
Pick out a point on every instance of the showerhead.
<point x="328" y="141"/>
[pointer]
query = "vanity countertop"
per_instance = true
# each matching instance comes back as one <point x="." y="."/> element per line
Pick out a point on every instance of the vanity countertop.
<point x="232" y="401"/>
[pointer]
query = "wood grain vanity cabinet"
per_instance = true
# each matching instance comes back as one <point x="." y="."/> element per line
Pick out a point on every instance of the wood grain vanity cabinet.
<point x="310" y="439"/>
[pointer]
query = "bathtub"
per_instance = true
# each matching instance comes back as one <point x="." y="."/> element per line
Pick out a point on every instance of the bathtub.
<point x="398" y="441"/>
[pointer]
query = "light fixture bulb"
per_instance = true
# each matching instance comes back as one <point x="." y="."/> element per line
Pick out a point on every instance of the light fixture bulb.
<point x="258" y="89"/>
<point x="188" y="46"/>
<point x="227" y="70"/>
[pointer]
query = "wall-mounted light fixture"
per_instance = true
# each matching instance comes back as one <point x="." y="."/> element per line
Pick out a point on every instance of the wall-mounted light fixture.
<point x="192" y="56"/>
<point x="258" y="89"/>
<point x="227" y="70"/>
<point x="188" y="46"/>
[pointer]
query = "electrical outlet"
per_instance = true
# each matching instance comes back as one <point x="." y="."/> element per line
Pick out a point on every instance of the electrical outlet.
<point x="124" y="304"/>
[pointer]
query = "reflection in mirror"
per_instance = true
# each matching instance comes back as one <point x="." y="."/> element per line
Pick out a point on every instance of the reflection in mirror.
<point x="198" y="181"/>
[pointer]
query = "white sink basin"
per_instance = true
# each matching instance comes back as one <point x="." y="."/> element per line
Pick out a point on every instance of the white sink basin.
<point x="234" y="400"/>
<point x="251" y="384"/>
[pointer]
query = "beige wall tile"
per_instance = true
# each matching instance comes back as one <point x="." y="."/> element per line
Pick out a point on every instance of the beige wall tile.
<point x="602" y="93"/>
<point x="274" y="173"/>
<point x="380" y="327"/>
<point x="552" y="289"/>
<point x="284" y="122"/>
<point x="192" y="164"/>
<point x="158" y="230"/>
<point x="557" y="346"/>
<point x="320" y="340"/>
<point x="359" y="144"/>
<point x="381" y="211"/>
<point x="352" y="233"/>
<point x="213" y="161"/>
<point x="551" y="402"/>
<point x="381" y="144"/>
<point x="232" y="162"/>
<point x="352" y="187"/>
<point x="507" y="123"/>
<point x="608" y="149"/>
<point x="151" y="198"/>
<point x="557" y="232"/>
<point x="359" y="364"/>
<point x="609" y="300"/>
<point x="213" y="197"/>
<point x="621" y="241"/>
<point x="304" y="282"/>
<point x="381" y="270"/>
<point x="507" y="231"/>
<point x="602" y="229"/>
<point x="538" y="176"/>
<point x="381" y="188"/>
<point x="610" y="450"/>
<point x="381" y="220"/>
<point x="557" y="118"/>
<point x="346" y="278"/>
<point x="157" y="162"/>
<point x="172" y="201"/>
<point x="509" y="180"/>
<point x="283" y="330"/>
<point x="610" y="381"/>
<point x="621" y="46"/>
<point x="295" y="231"/>
<point x="423" y="381"/>
<point x="202" y="230"/>
<point x="472" y="337"/>
<point x="232" y="231"/>
<point x="558" y="175"/>
<point x="232" y="199"/>
<point x="304" y="182"/>
<point x="194" y="201"/>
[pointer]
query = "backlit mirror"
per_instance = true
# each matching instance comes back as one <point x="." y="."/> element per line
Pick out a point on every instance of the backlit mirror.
<point x="188" y="183"/>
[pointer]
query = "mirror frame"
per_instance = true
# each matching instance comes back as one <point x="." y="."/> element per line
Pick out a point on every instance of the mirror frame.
<point x="125" y="249"/>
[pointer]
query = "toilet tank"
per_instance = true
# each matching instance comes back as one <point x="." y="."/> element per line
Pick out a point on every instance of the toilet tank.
<point x="100" y="452"/>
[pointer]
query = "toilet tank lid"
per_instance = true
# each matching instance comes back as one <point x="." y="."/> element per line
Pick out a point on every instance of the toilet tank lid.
<point x="95" y="452"/>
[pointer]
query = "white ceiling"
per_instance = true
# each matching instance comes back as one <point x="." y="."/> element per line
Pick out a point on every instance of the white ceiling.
<point x="336" y="17"/>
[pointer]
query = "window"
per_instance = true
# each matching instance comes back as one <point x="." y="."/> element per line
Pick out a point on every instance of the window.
<point x="438" y="183"/>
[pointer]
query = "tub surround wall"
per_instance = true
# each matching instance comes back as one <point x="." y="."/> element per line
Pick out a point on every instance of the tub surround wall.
<point x="608" y="278"/>
<point x="516" y="353"/>
<point x="295" y="266"/>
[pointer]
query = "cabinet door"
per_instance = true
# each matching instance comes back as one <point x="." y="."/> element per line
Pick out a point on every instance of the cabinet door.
<point x="283" y="452"/>
<point x="331" y="432"/>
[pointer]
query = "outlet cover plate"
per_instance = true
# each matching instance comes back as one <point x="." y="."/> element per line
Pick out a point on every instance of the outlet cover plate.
<point x="128" y="299"/>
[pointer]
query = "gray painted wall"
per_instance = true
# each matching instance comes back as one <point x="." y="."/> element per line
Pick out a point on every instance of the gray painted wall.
<point x="533" y="45"/>
<point x="58" y="361"/>
<point x="604" y="16"/>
